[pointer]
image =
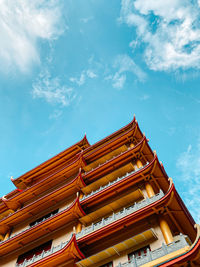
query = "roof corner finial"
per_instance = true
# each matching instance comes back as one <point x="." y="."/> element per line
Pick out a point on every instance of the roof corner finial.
<point x="11" y="178"/>
<point x="144" y="134"/>
<point x="4" y="198"/>
<point x="74" y="230"/>
<point x="170" y="182"/>
<point x="154" y="152"/>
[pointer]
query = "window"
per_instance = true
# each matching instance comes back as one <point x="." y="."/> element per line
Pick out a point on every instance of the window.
<point x="138" y="253"/>
<point x="43" y="218"/>
<point x="36" y="251"/>
<point x="110" y="264"/>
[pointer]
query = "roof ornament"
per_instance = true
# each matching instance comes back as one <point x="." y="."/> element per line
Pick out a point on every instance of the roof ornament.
<point x="74" y="229"/>
<point x="170" y="182"/>
<point x="154" y="152"/>
<point x="4" y="198"/>
<point x="86" y="140"/>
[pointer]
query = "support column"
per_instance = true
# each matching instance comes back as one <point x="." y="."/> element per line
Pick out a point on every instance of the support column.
<point x="80" y="195"/>
<point x="78" y="227"/>
<point x="166" y="231"/>
<point x="7" y="235"/>
<point x="139" y="163"/>
<point x="149" y="189"/>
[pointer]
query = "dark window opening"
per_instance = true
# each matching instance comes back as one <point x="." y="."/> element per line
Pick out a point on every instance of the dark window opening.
<point x="36" y="251"/>
<point x="110" y="264"/>
<point x="43" y="218"/>
<point x="138" y="253"/>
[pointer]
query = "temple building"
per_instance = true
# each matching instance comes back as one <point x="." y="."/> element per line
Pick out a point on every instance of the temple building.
<point x="110" y="204"/>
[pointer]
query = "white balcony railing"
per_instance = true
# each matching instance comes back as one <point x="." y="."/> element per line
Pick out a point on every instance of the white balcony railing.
<point x="181" y="242"/>
<point x="113" y="182"/>
<point x="115" y="156"/>
<point x="36" y="223"/>
<point x="42" y="255"/>
<point x="122" y="213"/>
<point x="137" y="261"/>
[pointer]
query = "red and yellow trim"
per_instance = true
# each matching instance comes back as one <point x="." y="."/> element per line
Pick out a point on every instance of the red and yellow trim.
<point x="68" y="255"/>
<point x="59" y="220"/>
<point x="43" y="203"/>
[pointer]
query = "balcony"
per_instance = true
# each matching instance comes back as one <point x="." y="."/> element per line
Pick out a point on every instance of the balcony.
<point x="105" y="158"/>
<point x="181" y="242"/>
<point x="61" y="219"/>
<point x="42" y="255"/>
<point x="113" y="182"/>
<point x="113" y="156"/>
<point x="36" y="223"/>
<point x="119" y="215"/>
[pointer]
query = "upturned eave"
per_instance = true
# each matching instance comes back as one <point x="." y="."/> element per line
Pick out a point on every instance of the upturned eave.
<point x="70" y="253"/>
<point x="118" y="161"/>
<point x="52" y="163"/>
<point x="170" y="200"/>
<point x="43" y="203"/>
<point x="61" y="219"/>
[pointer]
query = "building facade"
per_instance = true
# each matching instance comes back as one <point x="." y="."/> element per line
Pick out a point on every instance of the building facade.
<point x="107" y="204"/>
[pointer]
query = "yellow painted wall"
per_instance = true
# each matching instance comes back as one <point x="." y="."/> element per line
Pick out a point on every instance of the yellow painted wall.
<point x="58" y="237"/>
<point x="157" y="243"/>
<point x="25" y="225"/>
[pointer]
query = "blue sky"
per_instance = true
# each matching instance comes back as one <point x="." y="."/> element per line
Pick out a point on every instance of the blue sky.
<point x="73" y="67"/>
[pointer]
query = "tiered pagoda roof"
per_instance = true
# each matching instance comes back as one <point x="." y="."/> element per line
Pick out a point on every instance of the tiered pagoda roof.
<point x="105" y="179"/>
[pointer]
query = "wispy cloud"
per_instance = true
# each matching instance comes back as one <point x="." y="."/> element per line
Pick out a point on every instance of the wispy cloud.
<point x="23" y="23"/>
<point x="124" y="64"/>
<point x="169" y="29"/>
<point x="80" y="81"/>
<point x="52" y="89"/>
<point x="144" y="97"/>
<point x="83" y="76"/>
<point x="56" y="114"/>
<point x="118" y="80"/>
<point x="91" y="74"/>
<point x="188" y="164"/>
<point x="86" y="20"/>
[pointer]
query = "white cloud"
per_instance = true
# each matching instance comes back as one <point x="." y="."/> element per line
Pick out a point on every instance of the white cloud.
<point x="82" y="79"/>
<point x="189" y="165"/>
<point x="118" y="80"/>
<point x="56" y="114"/>
<point x="144" y="97"/>
<point x="86" y="20"/>
<point x="23" y="23"/>
<point x="52" y="90"/>
<point x="124" y="64"/>
<point x="169" y="29"/>
<point x="91" y="74"/>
